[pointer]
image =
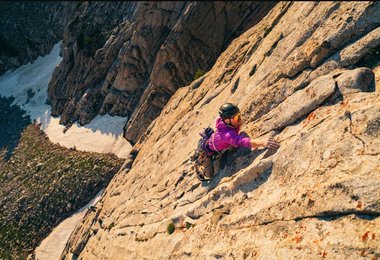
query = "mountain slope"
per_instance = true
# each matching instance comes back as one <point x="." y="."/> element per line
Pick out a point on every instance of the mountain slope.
<point x="304" y="74"/>
<point x="30" y="29"/>
<point x="42" y="184"/>
<point x="129" y="58"/>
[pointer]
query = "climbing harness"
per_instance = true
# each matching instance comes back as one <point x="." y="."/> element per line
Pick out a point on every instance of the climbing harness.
<point x="202" y="152"/>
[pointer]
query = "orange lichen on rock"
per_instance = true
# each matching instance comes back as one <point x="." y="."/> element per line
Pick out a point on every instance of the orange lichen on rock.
<point x="298" y="239"/>
<point x="310" y="117"/>
<point x="365" y="236"/>
<point x="344" y="103"/>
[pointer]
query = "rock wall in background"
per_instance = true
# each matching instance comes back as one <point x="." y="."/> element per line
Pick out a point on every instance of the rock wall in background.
<point x="129" y="58"/>
<point x="30" y="29"/>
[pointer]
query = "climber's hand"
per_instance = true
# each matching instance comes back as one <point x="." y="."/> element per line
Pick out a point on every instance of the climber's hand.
<point x="271" y="144"/>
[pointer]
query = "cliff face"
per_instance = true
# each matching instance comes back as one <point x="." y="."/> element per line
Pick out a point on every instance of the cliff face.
<point x="30" y="29"/>
<point x="129" y="58"/>
<point x="305" y="73"/>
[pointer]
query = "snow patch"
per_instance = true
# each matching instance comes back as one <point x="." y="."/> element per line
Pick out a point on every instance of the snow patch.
<point x="54" y="244"/>
<point x="28" y="85"/>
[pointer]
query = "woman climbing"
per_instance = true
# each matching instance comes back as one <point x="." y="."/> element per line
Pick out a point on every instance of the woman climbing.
<point x="226" y="136"/>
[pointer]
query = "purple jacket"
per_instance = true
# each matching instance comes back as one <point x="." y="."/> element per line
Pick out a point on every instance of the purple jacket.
<point x="226" y="136"/>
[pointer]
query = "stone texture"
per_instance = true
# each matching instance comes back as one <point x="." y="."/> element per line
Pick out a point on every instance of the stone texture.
<point x="361" y="79"/>
<point x="147" y="50"/>
<point x="91" y="43"/>
<point x="189" y="48"/>
<point x="316" y="197"/>
<point x="287" y="112"/>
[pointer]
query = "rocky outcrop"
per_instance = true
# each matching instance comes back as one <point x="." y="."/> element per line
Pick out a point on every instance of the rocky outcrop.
<point x="303" y="74"/>
<point x="129" y="58"/>
<point x="30" y="29"/>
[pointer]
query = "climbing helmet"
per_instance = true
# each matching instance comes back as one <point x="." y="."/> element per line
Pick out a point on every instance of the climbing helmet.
<point x="228" y="110"/>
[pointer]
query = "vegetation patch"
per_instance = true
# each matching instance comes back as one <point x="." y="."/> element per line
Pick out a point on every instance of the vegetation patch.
<point x="7" y="50"/>
<point x="188" y="225"/>
<point x="199" y="73"/>
<point x="42" y="184"/>
<point x="91" y="40"/>
<point x="111" y="226"/>
<point x="267" y="30"/>
<point x="170" y="228"/>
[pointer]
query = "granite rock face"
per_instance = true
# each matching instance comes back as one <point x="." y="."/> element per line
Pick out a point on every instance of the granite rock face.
<point x="304" y="74"/>
<point x="129" y="58"/>
<point x="30" y="29"/>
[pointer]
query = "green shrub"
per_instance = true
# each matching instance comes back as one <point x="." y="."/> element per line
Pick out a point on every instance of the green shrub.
<point x="8" y="50"/>
<point x="229" y="72"/>
<point x="170" y="228"/>
<point x="199" y="73"/>
<point x="84" y="40"/>
<point x="87" y="40"/>
<point x="267" y="31"/>
<point x="111" y="226"/>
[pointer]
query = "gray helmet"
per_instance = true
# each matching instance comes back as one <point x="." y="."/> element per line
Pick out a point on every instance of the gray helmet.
<point x="228" y="110"/>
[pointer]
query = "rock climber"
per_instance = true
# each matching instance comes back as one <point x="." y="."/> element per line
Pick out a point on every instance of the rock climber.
<point x="226" y="136"/>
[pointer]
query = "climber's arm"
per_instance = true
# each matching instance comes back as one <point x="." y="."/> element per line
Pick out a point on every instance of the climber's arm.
<point x="267" y="143"/>
<point x="238" y="140"/>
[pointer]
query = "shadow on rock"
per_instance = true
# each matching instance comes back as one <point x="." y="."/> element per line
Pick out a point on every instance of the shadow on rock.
<point x="13" y="122"/>
<point x="232" y="161"/>
<point x="259" y="180"/>
<point x="332" y="215"/>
